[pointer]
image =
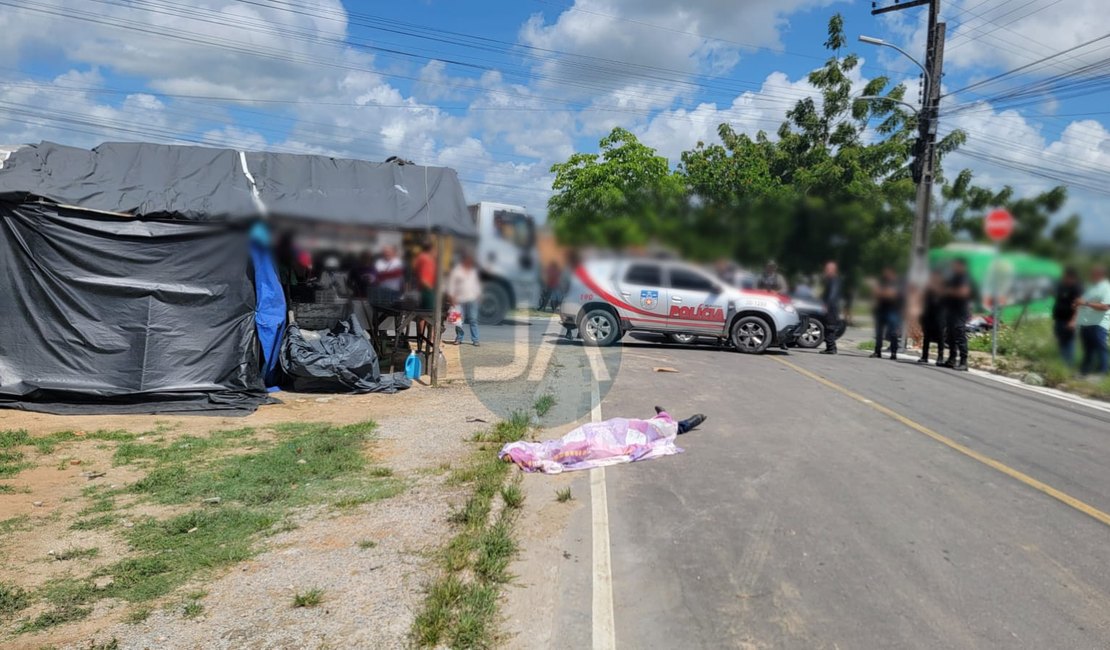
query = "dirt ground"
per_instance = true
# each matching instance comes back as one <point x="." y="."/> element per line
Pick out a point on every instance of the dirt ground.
<point x="371" y="594"/>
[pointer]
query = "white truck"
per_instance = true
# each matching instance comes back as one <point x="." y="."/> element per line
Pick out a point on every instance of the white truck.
<point x="507" y="260"/>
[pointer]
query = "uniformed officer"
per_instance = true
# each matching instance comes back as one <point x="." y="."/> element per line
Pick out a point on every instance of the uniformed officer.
<point x="957" y="294"/>
<point x="831" y="296"/>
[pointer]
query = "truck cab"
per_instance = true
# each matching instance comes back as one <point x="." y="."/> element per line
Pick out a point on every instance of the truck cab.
<point x="506" y="259"/>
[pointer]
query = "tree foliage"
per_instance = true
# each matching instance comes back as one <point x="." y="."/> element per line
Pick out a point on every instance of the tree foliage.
<point x="968" y="204"/>
<point x="619" y="197"/>
<point x="823" y="186"/>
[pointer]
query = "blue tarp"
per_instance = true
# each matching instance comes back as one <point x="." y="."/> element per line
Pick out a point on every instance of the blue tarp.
<point x="269" y="315"/>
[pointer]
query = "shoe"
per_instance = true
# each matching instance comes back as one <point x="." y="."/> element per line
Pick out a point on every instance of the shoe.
<point x="893" y="356"/>
<point x="659" y="409"/>
<point x="690" y="422"/>
<point x="951" y="363"/>
<point x="940" y="363"/>
<point x="876" y="355"/>
<point x="961" y="366"/>
<point x="475" y="344"/>
<point x="827" y="351"/>
<point x="923" y="360"/>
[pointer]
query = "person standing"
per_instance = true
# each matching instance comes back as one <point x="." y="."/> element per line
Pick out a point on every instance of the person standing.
<point x="464" y="289"/>
<point x="389" y="276"/>
<point x="1093" y="319"/>
<point x="1064" y="313"/>
<point x="888" y="313"/>
<point x="425" y="269"/>
<point x="771" y="279"/>
<point x="957" y="300"/>
<point x="932" y="318"/>
<point x="831" y="296"/>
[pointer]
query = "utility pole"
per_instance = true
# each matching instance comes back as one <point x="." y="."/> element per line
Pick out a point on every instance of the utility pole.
<point x="925" y="150"/>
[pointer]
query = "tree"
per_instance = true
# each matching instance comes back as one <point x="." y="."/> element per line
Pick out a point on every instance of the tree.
<point x="1034" y="233"/>
<point x="820" y="189"/>
<point x="620" y="197"/>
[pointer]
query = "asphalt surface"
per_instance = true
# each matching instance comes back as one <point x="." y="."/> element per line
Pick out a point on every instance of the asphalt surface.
<point x="803" y="517"/>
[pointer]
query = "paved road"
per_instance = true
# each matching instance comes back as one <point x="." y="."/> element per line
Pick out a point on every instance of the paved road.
<point x="803" y="516"/>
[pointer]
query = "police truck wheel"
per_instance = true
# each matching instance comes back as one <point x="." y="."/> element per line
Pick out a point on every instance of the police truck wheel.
<point x="813" y="335"/>
<point x="751" y="335"/>
<point x="683" y="339"/>
<point x="494" y="304"/>
<point x="599" y="327"/>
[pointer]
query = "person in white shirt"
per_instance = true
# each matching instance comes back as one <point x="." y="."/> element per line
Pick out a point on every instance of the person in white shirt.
<point x="464" y="289"/>
<point x="389" y="275"/>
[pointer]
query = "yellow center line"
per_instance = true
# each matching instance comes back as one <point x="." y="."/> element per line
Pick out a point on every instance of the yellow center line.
<point x="1081" y="506"/>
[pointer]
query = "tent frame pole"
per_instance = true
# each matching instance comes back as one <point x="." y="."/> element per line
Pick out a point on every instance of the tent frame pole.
<point x="437" y="310"/>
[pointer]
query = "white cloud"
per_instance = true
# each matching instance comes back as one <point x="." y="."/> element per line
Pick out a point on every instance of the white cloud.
<point x="656" y="44"/>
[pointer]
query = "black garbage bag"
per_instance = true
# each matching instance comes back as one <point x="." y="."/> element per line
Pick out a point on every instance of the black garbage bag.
<point x="339" y="360"/>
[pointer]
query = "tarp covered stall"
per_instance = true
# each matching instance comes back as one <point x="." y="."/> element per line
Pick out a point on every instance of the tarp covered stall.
<point x="203" y="184"/>
<point x="108" y="314"/>
<point x="128" y="283"/>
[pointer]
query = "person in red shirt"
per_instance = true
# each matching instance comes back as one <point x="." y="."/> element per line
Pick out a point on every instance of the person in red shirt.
<point x="424" y="269"/>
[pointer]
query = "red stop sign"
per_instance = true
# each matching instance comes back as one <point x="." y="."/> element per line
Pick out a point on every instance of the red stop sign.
<point x="999" y="224"/>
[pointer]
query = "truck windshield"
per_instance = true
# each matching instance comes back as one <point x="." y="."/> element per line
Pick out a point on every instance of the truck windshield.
<point x="515" y="227"/>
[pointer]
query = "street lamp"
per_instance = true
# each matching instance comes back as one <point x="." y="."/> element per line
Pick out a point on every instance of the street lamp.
<point x="871" y="40"/>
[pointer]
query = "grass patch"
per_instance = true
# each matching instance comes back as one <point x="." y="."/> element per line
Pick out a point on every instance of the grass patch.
<point x="11" y="489"/>
<point x="562" y="495"/>
<point x="13" y="599"/>
<point x="111" y="644"/>
<point x="543" y="404"/>
<point x="68" y="599"/>
<point x="1032" y="347"/>
<point x="137" y="615"/>
<point x="93" y="523"/>
<point x="375" y="491"/>
<point x="12" y="462"/>
<point x="460" y="608"/>
<point x="310" y="598"/>
<point x="76" y="554"/>
<point x="100" y="504"/>
<point x="174" y="550"/>
<point x="12" y="524"/>
<point x="273" y="476"/>
<point x="52" y="617"/>
<point x="308" y="464"/>
<point x="865" y="345"/>
<point x="192" y="609"/>
<point x="513" y="496"/>
<point x="366" y="544"/>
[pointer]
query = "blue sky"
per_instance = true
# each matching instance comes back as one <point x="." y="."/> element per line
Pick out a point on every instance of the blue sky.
<point x="500" y="90"/>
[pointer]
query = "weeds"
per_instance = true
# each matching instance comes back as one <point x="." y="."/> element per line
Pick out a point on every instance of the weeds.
<point x="513" y="496"/>
<point x="543" y="404"/>
<point x="310" y="598"/>
<point x="562" y="495"/>
<point x="12" y="462"/>
<point x="137" y="615"/>
<point x="366" y="544"/>
<point x="12" y="524"/>
<point x="93" y="523"/>
<point x="76" y="553"/>
<point x="192" y="609"/>
<point x="12" y="599"/>
<point x="460" y="607"/>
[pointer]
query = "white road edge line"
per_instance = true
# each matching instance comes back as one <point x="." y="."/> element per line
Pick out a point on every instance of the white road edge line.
<point x="1041" y="390"/>
<point x="604" y="628"/>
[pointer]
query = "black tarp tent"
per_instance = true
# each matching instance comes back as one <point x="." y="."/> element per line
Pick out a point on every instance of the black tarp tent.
<point x="126" y="286"/>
